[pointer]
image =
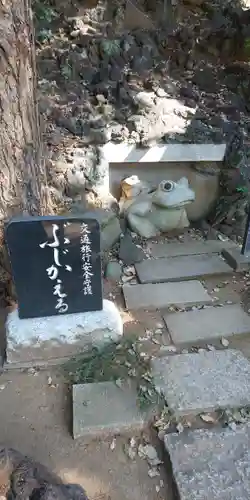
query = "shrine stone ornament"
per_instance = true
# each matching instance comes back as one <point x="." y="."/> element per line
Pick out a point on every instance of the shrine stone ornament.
<point x="56" y="265"/>
<point x="150" y="211"/>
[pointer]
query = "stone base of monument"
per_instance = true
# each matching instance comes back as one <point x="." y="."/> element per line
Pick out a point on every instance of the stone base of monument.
<point x="42" y="340"/>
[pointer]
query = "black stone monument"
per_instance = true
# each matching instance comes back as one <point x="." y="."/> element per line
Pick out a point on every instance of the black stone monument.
<point x="56" y="265"/>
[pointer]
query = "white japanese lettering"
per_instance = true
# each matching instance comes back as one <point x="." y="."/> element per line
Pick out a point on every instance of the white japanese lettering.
<point x="86" y="251"/>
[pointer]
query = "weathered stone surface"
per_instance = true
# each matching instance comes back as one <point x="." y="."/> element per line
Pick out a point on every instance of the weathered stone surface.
<point x="109" y="224"/>
<point x="211" y="464"/>
<point x="22" y="475"/>
<point x="103" y="408"/>
<point x="154" y="296"/>
<point x="129" y="253"/>
<point x="60" y="336"/>
<point x="192" y="248"/>
<point x="207" y="324"/>
<point x="110" y="234"/>
<point x="129" y="153"/>
<point x="194" y="383"/>
<point x="180" y="268"/>
<point x="110" y="227"/>
<point x="135" y="18"/>
<point x="113" y="271"/>
<point x="235" y="259"/>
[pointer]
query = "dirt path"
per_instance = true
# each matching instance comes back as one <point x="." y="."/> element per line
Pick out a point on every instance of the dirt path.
<point x="35" y="419"/>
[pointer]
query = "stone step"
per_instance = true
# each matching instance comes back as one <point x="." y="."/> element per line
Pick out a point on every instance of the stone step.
<point x="235" y="259"/>
<point x="103" y="408"/>
<point x="211" y="464"/>
<point x="181" y="268"/>
<point x="190" y="248"/>
<point x="200" y="382"/>
<point x="207" y="324"/>
<point x="161" y="295"/>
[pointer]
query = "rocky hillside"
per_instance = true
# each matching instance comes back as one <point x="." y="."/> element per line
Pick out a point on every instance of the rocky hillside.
<point x="143" y="72"/>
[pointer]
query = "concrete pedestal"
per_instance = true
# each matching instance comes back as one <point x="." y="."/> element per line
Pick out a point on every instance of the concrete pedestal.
<point x="42" y="339"/>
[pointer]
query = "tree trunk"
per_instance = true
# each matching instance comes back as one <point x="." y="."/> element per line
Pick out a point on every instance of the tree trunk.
<point x="23" y="185"/>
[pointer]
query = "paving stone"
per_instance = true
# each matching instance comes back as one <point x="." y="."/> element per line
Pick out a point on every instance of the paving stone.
<point x="207" y="324"/>
<point x="235" y="259"/>
<point x="195" y="383"/>
<point x="211" y="464"/>
<point x="154" y="296"/>
<point x="104" y="408"/>
<point x="181" y="268"/>
<point x="191" y="248"/>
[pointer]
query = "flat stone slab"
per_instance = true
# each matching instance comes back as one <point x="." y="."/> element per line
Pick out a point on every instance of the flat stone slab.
<point x="103" y="408"/>
<point x="192" y="248"/>
<point x="181" y="268"/>
<point x="155" y="296"/>
<point x="196" y="383"/>
<point x="130" y="153"/>
<point x="37" y="339"/>
<point x="207" y="324"/>
<point x="211" y="464"/>
<point x="235" y="259"/>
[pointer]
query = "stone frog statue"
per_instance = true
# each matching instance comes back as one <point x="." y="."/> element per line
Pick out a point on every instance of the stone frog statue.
<point x="150" y="212"/>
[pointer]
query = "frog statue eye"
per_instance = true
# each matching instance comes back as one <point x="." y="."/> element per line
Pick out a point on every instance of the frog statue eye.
<point x="168" y="186"/>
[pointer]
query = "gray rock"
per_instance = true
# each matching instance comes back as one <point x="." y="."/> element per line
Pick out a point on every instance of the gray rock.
<point x="110" y="234"/>
<point x="109" y="224"/>
<point x="113" y="271"/>
<point x="162" y="249"/>
<point x="211" y="464"/>
<point x="71" y="124"/>
<point x="162" y="295"/>
<point x="189" y="92"/>
<point x="44" y="338"/>
<point x="207" y="324"/>
<point x="141" y="65"/>
<point x="116" y="73"/>
<point x="100" y="136"/>
<point x="205" y="80"/>
<point x="119" y="132"/>
<point x="203" y="382"/>
<point x="160" y="92"/>
<point x="129" y="253"/>
<point x="103" y="408"/>
<point x="97" y="122"/>
<point x="145" y="99"/>
<point x="83" y="171"/>
<point x="181" y="268"/>
<point x="135" y="18"/>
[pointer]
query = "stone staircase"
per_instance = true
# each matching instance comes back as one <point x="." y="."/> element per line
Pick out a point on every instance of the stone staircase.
<point x="211" y="463"/>
<point x="205" y="379"/>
